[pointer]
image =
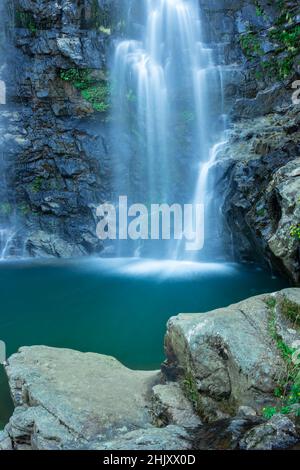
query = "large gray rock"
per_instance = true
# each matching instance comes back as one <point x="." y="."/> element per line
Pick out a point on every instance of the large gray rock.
<point x="227" y="358"/>
<point x="63" y="397"/>
<point x="168" y="438"/>
<point x="278" y="433"/>
<point x="42" y="244"/>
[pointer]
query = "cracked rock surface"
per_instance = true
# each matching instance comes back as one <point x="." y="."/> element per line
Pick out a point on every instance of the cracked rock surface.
<point x="65" y="398"/>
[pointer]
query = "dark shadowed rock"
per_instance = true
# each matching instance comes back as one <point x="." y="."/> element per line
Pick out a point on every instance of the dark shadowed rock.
<point x="277" y="434"/>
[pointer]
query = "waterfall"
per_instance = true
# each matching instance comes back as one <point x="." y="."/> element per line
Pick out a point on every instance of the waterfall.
<point x="167" y="116"/>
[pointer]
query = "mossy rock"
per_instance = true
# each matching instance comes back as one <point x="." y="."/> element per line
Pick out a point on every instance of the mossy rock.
<point x="290" y="310"/>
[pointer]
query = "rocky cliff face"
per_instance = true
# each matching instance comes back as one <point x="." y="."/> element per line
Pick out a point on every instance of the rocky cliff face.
<point x="258" y="175"/>
<point x="55" y="130"/>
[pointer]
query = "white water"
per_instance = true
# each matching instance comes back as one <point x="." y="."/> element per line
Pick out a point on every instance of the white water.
<point x="166" y="113"/>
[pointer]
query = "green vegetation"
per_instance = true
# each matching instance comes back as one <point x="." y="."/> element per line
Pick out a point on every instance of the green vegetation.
<point x="291" y="311"/>
<point x="287" y="390"/>
<point x="261" y="212"/>
<point x="288" y="39"/>
<point x="286" y="15"/>
<point x="93" y="89"/>
<point x="285" y="37"/>
<point x="24" y="19"/>
<point x="259" y="9"/>
<point x="295" y="231"/>
<point x="190" y="391"/>
<point x="36" y="185"/>
<point x="250" y="44"/>
<point x="131" y="96"/>
<point x="100" y="18"/>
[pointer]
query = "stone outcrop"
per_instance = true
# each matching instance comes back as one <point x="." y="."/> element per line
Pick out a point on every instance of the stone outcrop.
<point x="65" y="399"/>
<point x="261" y="171"/>
<point x="257" y="175"/>
<point x="229" y="358"/>
<point x="278" y="433"/>
<point x="220" y="377"/>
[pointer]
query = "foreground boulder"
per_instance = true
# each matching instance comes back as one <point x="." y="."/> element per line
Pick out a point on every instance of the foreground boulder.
<point x="229" y="358"/>
<point x="66" y="399"/>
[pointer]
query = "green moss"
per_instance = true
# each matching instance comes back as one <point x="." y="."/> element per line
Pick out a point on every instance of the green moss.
<point x="269" y="412"/>
<point x="271" y="302"/>
<point x="286" y="14"/>
<point x="24" y="19"/>
<point x="80" y="78"/>
<point x="261" y="212"/>
<point x="131" y="96"/>
<point x="285" y="36"/>
<point x="291" y="310"/>
<point x="101" y="18"/>
<point x="295" y="231"/>
<point x="36" y="185"/>
<point x="251" y="45"/>
<point x="287" y="390"/>
<point x="97" y="95"/>
<point x="259" y="9"/>
<point x="289" y="39"/>
<point x="191" y="391"/>
<point x="94" y="90"/>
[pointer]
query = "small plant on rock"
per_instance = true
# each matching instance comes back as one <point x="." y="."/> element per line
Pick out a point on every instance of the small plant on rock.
<point x="93" y="89"/>
<point x="287" y="390"/>
<point x="295" y="231"/>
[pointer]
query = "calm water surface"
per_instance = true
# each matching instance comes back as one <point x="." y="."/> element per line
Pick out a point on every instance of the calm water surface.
<point x="117" y="307"/>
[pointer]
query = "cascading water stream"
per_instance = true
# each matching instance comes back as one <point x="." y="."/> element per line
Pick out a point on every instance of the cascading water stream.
<point x="167" y="111"/>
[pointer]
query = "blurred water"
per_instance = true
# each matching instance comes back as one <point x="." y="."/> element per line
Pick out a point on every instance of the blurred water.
<point x="118" y="307"/>
<point x="167" y="113"/>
